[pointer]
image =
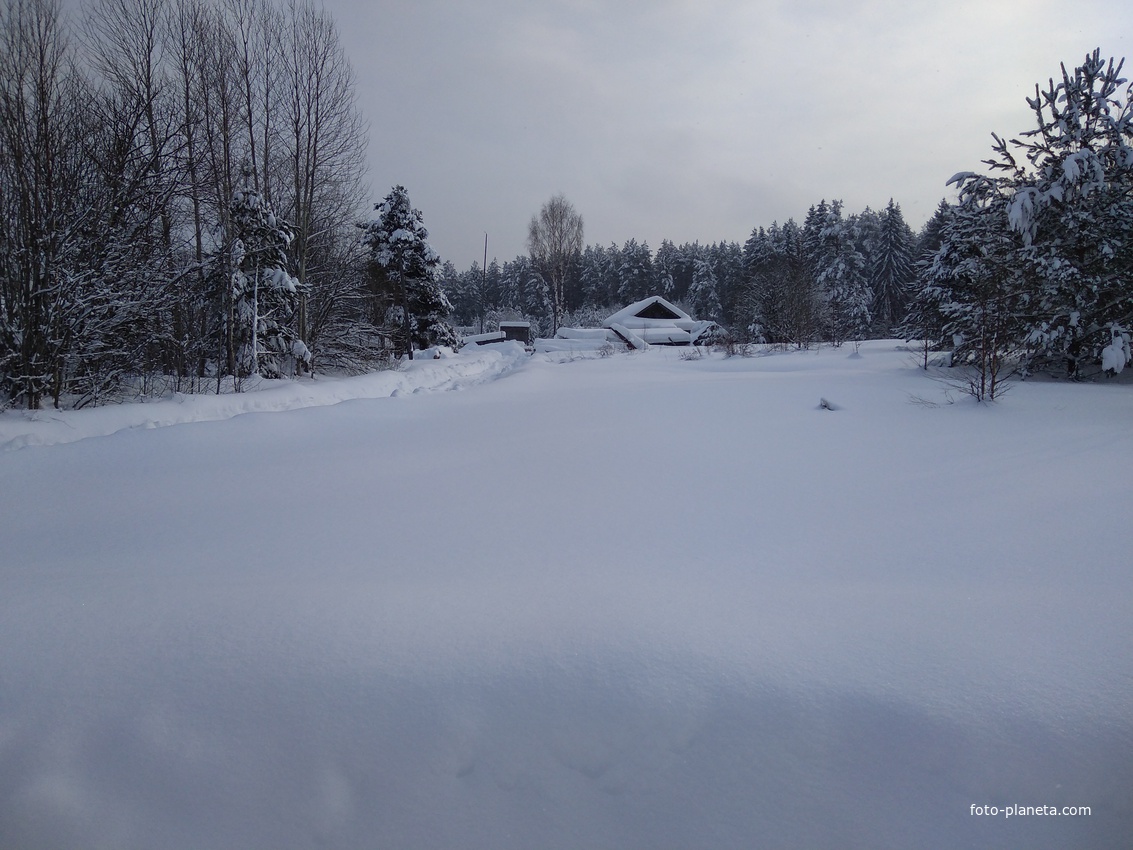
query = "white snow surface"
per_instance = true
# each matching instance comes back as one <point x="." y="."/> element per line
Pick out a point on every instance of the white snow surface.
<point x="575" y="345"/>
<point x="624" y="602"/>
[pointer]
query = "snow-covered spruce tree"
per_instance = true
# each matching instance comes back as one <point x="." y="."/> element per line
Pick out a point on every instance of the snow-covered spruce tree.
<point x="519" y="293"/>
<point x="1068" y="186"/>
<point x="924" y="320"/>
<point x="891" y="271"/>
<point x="493" y="293"/>
<point x="265" y="296"/>
<point x="803" y="308"/>
<point x="537" y="305"/>
<point x="763" y="298"/>
<point x="679" y="263"/>
<point x="727" y="259"/>
<point x="465" y="292"/>
<point x="635" y="272"/>
<point x="572" y="287"/>
<point x="594" y="275"/>
<point x="404" y="261"/>
<point x="839" y="270"/>
<point x="474" y="293"/>
<point x="786" y="304"/>
<point x="977" y="286"/>
<point x="515" y="278"/>
<point x="929" y="239"/>
<point x="866" y="227"/>
<point x="748" y="320"/>
<point x="702" y="296"/>
<point x="665" y="265"/>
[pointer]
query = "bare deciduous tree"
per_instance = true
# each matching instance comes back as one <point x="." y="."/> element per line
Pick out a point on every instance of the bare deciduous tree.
<point x="40" y="183"/>
<point x="554" y="239"/>
<point x="122" y="157"/>
<point x="323" y="138"/>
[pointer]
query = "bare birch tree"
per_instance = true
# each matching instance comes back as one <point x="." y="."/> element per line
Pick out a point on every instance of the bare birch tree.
<point x="324" y="138"/>
<point x="554" y="238"/>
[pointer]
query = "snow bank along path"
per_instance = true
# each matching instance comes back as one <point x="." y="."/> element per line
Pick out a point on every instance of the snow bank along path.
<point x="632" y="602"/>
<point x="48" y="427"/>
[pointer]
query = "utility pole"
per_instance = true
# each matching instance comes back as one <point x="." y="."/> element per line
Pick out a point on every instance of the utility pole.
<point x="483" y="288"/>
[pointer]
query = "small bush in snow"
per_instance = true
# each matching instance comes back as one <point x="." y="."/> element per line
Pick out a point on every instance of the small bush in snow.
<point x="729" y="346"/>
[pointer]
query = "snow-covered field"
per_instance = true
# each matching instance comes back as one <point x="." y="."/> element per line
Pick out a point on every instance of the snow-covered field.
<point x="625" y="602"/>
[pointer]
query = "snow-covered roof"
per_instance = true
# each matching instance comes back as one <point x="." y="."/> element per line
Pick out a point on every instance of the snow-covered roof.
<point x="649" y="321"/>
<point x="490" y="336"/>
<point x="584" y="333"/>
<point x="655" y="320"/>
<point x="650" y="312"/>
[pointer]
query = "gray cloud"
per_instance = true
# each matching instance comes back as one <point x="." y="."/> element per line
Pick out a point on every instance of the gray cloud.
<point x="696" y="120"/>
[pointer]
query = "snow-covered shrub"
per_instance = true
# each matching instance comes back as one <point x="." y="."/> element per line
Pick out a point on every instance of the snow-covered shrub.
<point x="727" y="344"/>
<point x="1115" y="356"/>
<point x="588" y="316"/>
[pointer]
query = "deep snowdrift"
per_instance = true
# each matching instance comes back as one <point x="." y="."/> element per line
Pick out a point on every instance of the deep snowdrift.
<point x="627" y="602"/>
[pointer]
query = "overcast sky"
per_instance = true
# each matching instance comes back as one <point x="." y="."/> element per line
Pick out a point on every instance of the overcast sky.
<point x="694" y="119"/>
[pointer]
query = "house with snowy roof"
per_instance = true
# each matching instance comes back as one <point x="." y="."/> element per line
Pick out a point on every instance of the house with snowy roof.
<point x="651" y="321"/>
<point x="656" y="321"/>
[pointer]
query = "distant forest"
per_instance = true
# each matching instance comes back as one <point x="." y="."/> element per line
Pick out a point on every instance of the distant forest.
<point x="834" y="277"/>
<point x="182" y="209"/>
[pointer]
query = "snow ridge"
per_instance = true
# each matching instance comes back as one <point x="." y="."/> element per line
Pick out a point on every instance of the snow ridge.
<point x="20" y="429"/>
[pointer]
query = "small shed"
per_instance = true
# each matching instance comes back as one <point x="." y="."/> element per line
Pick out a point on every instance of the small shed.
<point x="519" y="331"/>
